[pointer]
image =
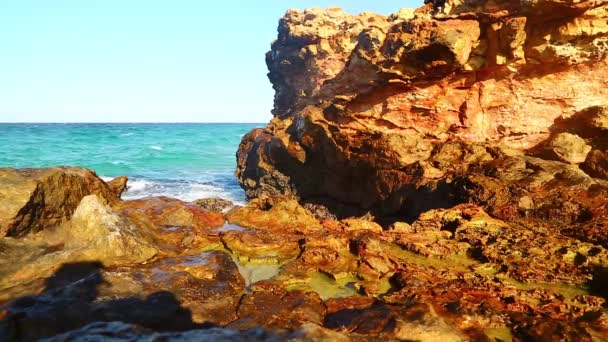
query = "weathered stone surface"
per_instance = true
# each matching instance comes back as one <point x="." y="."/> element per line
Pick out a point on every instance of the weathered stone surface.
<point x="95" y="233"/>
<point x="597" y="116"/>
<point x="374" y="121"/>
<point x="274" y="213"/>
<point x="118" y="185"/>
<point x="460" y="130"/>
<point x="172" y="294"/>
<point x="527" y="261"/>
<point x="35" y="199"/>
<point x="290" y="310"/>
<point x="174" y="225"/>
<point x="596" y="164"/>
<point x="569" y="148"/>
<point x="103" y="235"/>
<point x="217" y="205"/>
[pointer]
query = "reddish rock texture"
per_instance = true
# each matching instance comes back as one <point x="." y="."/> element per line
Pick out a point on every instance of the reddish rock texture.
<point x="371" y="111"/>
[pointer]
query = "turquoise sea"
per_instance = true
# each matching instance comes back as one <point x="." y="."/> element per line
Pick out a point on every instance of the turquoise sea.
<point x="186" y="161"/>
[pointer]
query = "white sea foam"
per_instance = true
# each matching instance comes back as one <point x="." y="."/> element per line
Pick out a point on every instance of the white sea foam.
<point x="126" y="134"/>
<point x="186" y="191"/>
<point x="157" y="148"/>
<point x="139" y="185"/>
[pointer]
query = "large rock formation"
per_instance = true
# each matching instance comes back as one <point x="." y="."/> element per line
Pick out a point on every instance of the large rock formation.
<point x="399" y="114"/>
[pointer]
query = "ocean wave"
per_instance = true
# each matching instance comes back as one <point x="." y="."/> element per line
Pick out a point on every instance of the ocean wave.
<point x="157" y="148"/>
<point x="183" y="190"/>
<point x="139" y="185"/>
<point x="127" y="134"/>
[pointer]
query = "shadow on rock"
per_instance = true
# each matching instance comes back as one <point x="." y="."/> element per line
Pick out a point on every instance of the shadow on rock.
<point x="598" y="285"/>
<point x="71" y="300"/>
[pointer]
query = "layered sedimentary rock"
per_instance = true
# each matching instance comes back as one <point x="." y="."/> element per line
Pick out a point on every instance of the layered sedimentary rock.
<point x="395" y="114"/>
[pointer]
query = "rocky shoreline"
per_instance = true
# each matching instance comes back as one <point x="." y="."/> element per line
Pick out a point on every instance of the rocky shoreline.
<point x="272" y="270"/>
<point x="434" y="175"/>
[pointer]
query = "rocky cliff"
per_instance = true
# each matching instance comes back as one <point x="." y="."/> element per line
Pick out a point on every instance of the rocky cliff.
<point x="499" y="103"/>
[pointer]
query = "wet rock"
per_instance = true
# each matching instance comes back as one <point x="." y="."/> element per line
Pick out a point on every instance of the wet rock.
<point x="415" y="322"/>
<point x="37" y="199"/>
<point x="174" y="225"/>
<point x="548" y="330"/>
<point x="69" y="302"/>
<point x="262" y="247"/>
<point x="94" y="234"/>
<point x="430" y="123"/>
<point x="209" y="284"/>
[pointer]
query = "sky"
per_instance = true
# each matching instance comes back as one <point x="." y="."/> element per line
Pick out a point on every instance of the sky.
<point x="144" y="60"/>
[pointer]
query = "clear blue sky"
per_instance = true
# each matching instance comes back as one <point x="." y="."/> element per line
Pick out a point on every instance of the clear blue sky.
<point x="143" y="60"/>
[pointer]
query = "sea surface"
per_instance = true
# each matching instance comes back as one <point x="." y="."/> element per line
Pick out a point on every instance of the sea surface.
<point x="185" y="161"/>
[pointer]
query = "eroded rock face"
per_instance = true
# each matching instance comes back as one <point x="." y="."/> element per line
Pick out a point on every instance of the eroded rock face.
<point x="36" y="199"/>
<point x="368" y="108"/>
<point x="473" y="135"/>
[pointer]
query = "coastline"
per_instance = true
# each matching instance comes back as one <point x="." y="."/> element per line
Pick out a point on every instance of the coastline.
<point x="428" y="175"/>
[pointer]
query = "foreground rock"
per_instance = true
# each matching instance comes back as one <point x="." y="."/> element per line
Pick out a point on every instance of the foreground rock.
<point x="36" y="199"/>
<point x="95" y="233"/>
<point x="169" y="269"/>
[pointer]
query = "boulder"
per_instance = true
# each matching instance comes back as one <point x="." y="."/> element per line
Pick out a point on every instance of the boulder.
<point x="35" y="199"/>
<point x="596" y="164"/>
<point x="95" y="233"/>
<point x="569" y="148"/>
<point x="101" y="234"/>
